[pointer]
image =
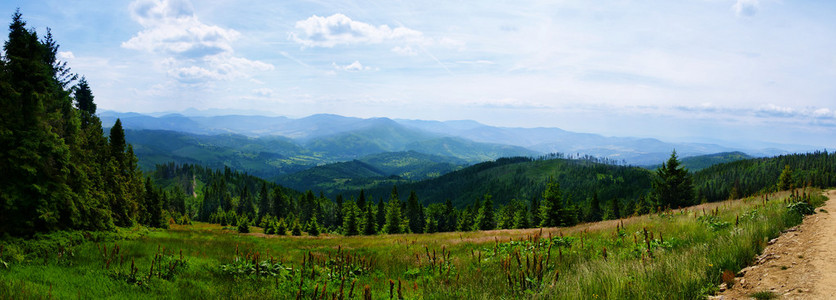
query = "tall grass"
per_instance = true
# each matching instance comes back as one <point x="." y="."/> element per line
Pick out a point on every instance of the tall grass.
<point x="670" y="255"/>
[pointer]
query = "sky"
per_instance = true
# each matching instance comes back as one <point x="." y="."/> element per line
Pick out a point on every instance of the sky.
<point x="733" y="71"/>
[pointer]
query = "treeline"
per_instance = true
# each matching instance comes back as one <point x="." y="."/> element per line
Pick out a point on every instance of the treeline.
<point x="222" y="196"/>
<point x="59" y="171"/>
<point x="748" y="177"/>
<point x="524" y="178"/>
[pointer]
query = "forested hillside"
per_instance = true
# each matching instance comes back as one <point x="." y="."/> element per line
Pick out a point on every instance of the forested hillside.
<point x="525" y="178"/>
<point x="750" y="176"/>
<point x="274" y="156"/>
<point x="59" y="171"/>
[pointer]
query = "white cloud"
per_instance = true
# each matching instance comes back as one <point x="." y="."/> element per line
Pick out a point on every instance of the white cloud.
<point x="263" y="92"/>
<point x="746" y="7"/>
<point x="356" y="66"/>
<point x="66" y="55"/>
<point x="338" y="29"/>
<point x="405" y="50"/>
<point x="170" y="27"/>
<point x="196" y="52"/>
<point x="777" y="111"/>
<point x="824" y="113"/>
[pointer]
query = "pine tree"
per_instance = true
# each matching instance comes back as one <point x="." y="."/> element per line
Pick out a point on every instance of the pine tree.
<point x="485" y="219"/>
<point x="350" y="219"/>
<point x="380" y="214"/>
<point x="672" y="184"/>
<point x="594" y="208"/>
<point x="521" y="219"/>
<point x="415" y="213"/>
<point x="535" y="212"/>
<point x="246" y="207"/>
<point x="263" y="202"/>
<point x="281" y="227"/>
<point x="297" y="229"/>
<point x="551" y="207"/>
<point x="785" y="181"/>
<point x="615" y="209"/>
<point x="370" y="224"/>
<point x="313" y="227"/>
<point x="279" y="203"/>
<point x="361" y="200"/>
<point x="449" y="218"/>
<point x="339" y="209"/>
<point x="393" y="214"/>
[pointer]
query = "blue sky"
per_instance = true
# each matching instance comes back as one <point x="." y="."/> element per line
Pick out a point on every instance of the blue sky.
<point x="690" y="70"/>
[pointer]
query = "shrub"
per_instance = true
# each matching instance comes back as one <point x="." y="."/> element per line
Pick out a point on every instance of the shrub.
<point x="243" y="225"/>
<point x="297" y="230"/>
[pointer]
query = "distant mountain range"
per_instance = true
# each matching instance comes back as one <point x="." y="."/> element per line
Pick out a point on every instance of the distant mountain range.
<point x="339" y="138"/>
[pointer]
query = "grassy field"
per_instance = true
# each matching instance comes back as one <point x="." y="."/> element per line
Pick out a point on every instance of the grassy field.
<point x="670" y="255"/>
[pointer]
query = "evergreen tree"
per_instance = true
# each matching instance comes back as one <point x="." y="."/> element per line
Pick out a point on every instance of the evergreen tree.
<point x="615" y="209"/>
<point x="465" y="221"/>
<point x="350" y="219"/>
<point x="449" y="218"/>
<point x="263" y="202"/>
<point x="246" y="205"/>
<point x="339" y="210"/>
<point x="117" y="142"/>
<point x="594" y="209"/>
<point x="153" y="206"/>
<point x="370" y="224"/>
<point x="521" y="219"/>
<point x="313" y="227"/>
<point x="785" y="179"/>
<point x="243" y="224"/>
<point x="279" y="205"/>
<point x="535" y="212"/>
<point x="361" y="200"/>
<point x="297" y="229"/>
<point x="381" y="213"/>
<point x="485" y="219"/>
<point x="672" y="184"/>
<point x="281" y="227"/>
<point x="415" y="213"/>
<point x="393" y="214"/>
<point x="551" y="207"/>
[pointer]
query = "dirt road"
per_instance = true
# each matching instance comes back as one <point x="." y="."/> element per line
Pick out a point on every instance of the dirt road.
<point x="800" y="264"/>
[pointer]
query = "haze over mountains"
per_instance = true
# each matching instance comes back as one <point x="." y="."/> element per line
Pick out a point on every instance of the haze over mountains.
<point x="334" y="138"/>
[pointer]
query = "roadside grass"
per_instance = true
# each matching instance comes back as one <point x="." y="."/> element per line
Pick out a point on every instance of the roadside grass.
<point x="676" y="254"/>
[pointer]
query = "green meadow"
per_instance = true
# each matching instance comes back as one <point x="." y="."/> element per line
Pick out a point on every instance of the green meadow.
<point x="675" y="254"/>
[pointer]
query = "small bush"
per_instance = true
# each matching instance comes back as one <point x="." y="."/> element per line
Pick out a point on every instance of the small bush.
<point x="297" y="230"/>
<point x="802" y="208"/>
<point x="243" y="225"/>
<point x="764" y="295"/>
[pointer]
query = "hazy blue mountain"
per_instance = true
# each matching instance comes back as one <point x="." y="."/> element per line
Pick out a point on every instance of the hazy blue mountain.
<point x="264" y="157"/>
<point x="638" y="151"/>
<point x="373" y="136"/>
<point x="340" y="138"/>
<point x="371" y="171"/>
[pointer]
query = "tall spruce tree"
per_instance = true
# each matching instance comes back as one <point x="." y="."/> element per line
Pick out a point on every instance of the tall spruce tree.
<point x="551" y="206"/>
<point x="594" y="208"/>
<point x="485" y="219"/>
<point x="350" y="222"/>
<point x="370" y="224"/>
<point x="393" y="214"/>
<point x="672" y="184"/>
<point x="415" y="213"/>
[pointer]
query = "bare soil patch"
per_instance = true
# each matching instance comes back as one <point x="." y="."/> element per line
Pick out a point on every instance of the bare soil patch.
<point x="800" y="264"/>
